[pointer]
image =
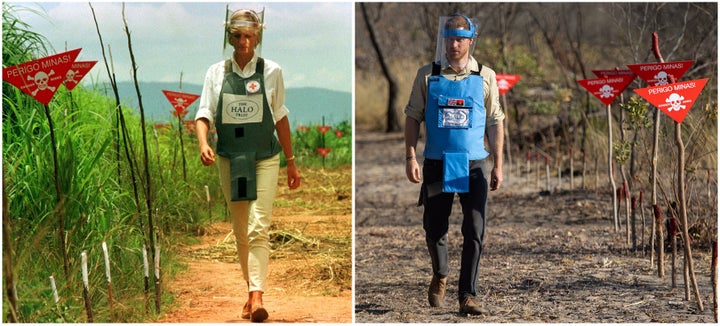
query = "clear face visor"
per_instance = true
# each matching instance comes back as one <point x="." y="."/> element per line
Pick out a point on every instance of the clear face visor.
<point x="453" y="26"/>
<point x="245" y="25"/>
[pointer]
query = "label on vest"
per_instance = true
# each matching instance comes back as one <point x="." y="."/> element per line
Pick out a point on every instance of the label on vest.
<point x="455" y="118"/>
<point x="241" y="109"/>
<point x="454" y="112"/>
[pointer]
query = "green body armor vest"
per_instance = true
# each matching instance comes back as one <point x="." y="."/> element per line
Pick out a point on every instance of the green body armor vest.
<point x="245" y="128"/>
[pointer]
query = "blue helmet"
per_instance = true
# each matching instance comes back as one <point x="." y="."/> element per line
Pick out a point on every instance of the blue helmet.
<point x="471" y="33"/>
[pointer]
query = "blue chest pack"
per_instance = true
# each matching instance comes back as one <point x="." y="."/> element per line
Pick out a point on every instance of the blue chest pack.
<point x="455" y="123"/>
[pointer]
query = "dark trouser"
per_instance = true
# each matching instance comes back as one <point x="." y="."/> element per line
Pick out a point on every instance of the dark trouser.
<point x="438" y="206"/>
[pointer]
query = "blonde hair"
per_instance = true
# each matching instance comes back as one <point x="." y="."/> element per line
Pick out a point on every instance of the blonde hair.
<point x="244" y="20"/>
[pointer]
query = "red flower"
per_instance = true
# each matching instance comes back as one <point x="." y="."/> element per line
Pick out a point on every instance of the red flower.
<point x="323" y="151"/>
<point x="323" y="129"/>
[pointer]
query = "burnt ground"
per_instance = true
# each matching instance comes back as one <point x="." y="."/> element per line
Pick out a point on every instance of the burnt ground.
<point x="547" y="257"/>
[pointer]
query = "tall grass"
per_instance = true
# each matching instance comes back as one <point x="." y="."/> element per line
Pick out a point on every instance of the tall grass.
<point x="99" y="204"/>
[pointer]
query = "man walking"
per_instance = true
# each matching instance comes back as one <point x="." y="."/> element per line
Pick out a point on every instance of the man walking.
<point x="458" y="100"/>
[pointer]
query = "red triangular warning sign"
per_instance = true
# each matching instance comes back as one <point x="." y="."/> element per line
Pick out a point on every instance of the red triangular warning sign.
<point x="40" y="78"/>
<point x="606" y="89"/>
<point x="674" y="99"/>
<point x="77" y="71"/>
<point x="656" y="74"/>
<point x="506" y="82"/>
<point x="180" y="101"/>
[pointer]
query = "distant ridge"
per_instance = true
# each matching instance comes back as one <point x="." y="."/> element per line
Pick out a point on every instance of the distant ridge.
<point x="308" y="105"/>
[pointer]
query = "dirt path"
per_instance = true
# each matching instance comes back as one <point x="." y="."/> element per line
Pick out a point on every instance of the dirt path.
<point x="211" y="289"/>
<point x="546" y="258"/>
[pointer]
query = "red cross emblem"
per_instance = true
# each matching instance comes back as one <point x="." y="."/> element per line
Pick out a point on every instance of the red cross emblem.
<point x="252" y="87"/>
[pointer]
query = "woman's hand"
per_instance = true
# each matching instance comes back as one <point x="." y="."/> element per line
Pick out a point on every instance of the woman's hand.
<point x="293" y="176"/>
<point x="207" y="155"/>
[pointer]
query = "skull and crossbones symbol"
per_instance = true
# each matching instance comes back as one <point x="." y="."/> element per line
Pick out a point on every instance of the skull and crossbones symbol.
<point x="41" y="81"/>
<point x="675" y="102"/>
<point x="503" y="84"/>
<point x="661" y="78"/>
<point x="606" y="91"/>
<point x="180" y="102"/>
<point x="70" y="76"/>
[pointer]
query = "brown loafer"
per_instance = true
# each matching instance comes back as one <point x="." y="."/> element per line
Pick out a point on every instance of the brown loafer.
<point x="258" y="313"/>
<point x="470" y="307"/>
<point x="246" y="310"/>
<point x="436" y="292"/>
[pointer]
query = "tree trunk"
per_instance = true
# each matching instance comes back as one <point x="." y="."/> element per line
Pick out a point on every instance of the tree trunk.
<point x="656" y="136"/>
<point x="392" y="121"/>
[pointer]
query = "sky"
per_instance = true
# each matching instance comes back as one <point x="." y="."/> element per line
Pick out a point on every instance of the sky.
<point x="312" y="42"/>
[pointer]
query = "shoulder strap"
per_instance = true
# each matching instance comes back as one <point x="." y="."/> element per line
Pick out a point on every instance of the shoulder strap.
<point x="228" y="66"/>
<point x="260" y="66"/>
<point x="479" y="70"/>
<point x="435" y="69"/>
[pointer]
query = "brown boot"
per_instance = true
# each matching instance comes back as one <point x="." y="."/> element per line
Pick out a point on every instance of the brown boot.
<point x="436" y="292"/>
<point x="470" y="307"/>
<point x="257" y="311"/>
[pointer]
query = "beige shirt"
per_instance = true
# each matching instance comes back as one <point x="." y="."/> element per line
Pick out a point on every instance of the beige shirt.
<point x="274" y="88"/>
<point x="416" y="105"/>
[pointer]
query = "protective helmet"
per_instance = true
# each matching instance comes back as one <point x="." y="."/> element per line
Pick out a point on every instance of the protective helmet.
<point x="455" y="25"/>
<point x="245" y="19"/>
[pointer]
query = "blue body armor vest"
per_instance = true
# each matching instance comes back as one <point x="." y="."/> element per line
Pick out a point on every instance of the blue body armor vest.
<point x="455" y="123"/>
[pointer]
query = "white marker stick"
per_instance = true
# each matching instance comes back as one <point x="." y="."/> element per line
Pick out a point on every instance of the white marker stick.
<point x="54" y="289"/>
<point x="207" y="193"/>
<point x="145" y="262"/>
<point x="157" y="262"/>
<point x="107" y="261"/>
<point x="83" y="258"/>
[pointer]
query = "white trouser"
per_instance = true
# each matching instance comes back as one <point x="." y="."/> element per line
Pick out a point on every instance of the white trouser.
<point x="251" y="219"/>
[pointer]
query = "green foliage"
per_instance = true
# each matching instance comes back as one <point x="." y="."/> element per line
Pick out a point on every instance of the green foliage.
<point x="621" y="151"/>
<point x="97" y="200"/>
<point x="20" y="43"/>
<point x="637" y="109"/>
<point x="307" y="139"/>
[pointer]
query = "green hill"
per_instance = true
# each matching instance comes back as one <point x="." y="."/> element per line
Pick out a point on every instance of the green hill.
<point x="307" y="105"/>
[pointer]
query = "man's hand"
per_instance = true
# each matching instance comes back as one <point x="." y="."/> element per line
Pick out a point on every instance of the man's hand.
<point x="496" y="179"/>
<point x="412" y="170"/>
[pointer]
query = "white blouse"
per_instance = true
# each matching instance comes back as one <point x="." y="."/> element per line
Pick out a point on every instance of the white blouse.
<point x="274" y="88"/>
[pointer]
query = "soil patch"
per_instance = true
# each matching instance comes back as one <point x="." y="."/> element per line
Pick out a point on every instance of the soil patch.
<point x="547" y="257"/>
<point x="309" y="278"/>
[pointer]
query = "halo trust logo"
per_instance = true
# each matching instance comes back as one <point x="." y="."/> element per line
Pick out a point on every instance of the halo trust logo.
<point x="242" y="109"/>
